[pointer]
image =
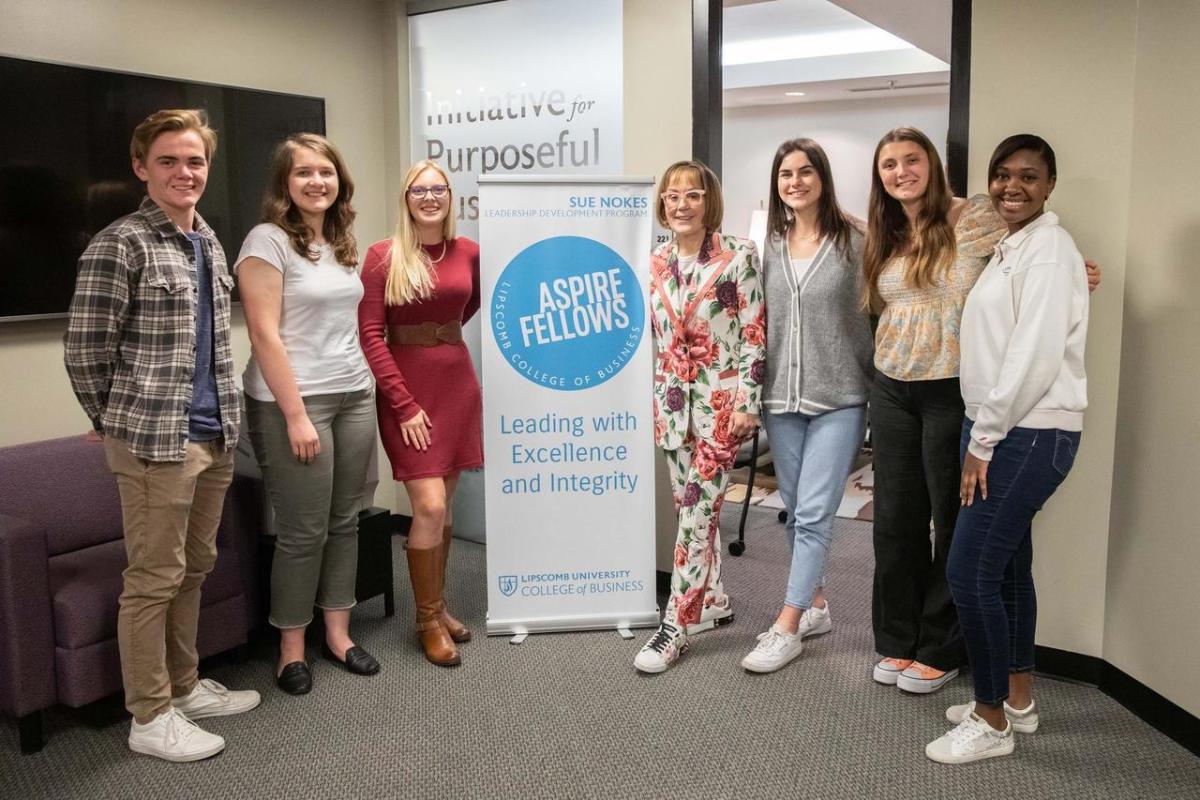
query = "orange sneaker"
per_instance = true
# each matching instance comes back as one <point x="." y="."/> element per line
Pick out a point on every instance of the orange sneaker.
<point x="923" y="679"/>
<point x="889" y="669"/>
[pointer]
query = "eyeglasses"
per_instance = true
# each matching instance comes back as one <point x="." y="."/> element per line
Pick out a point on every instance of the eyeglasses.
<point x="420" y="192"/>
<point x="693" y="197"/>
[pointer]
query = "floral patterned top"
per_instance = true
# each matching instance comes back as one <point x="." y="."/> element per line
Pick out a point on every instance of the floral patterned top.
<point x="710" y="337"/>
<point x="917" y="338"/>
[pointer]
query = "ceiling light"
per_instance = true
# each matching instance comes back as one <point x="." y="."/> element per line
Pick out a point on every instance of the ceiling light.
<point x="794" y="94"/>
<point x="832" y="43"/>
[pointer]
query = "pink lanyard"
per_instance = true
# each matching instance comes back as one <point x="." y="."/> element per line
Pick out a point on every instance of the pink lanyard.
<point x="678" y="323"/>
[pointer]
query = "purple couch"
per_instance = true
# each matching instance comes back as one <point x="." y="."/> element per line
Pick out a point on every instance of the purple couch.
<point x="61" y="558"/>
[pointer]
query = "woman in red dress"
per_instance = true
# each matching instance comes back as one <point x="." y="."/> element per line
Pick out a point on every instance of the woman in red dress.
<point x="420" y="287"/>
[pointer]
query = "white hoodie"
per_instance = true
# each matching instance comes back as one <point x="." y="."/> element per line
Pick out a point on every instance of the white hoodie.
<point x="1024" y="326"/>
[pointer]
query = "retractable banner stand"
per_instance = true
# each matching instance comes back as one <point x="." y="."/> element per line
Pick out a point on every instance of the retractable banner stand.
<point x="568" y="430"/>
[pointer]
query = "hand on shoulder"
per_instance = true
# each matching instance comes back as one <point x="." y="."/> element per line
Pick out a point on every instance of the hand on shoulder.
<point x="957" y="206"/>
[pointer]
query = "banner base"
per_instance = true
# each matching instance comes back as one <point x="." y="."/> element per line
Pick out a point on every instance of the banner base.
<point x="597" y="622"/>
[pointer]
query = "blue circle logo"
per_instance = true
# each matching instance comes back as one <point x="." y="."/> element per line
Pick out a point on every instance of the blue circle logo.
<point x="567" y="313"/>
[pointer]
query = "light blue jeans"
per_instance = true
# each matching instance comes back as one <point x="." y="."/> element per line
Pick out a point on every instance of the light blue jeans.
<point x="813" y="456"/>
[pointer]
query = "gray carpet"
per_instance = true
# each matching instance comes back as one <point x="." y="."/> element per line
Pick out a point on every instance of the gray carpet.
<point x="567" y="716"/>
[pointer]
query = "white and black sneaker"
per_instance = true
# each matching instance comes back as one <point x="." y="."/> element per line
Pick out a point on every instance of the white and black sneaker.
<point x="712" y="615"/>
<point x="663" y="649"/>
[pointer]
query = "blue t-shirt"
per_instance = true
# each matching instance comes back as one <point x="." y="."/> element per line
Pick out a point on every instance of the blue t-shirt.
<point x="204" y="414"/>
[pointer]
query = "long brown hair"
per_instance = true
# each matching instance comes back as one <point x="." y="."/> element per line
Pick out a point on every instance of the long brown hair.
<point x="888" y="234"/>
<point x="831" y="220"/>
<point x="279" y="209"/>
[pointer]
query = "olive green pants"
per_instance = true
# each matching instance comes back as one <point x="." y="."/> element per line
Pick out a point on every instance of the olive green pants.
<point x="316" y="505"/>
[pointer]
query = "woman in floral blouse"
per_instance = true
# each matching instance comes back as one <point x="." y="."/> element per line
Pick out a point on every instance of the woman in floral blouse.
<point x="708" y="316"/>
<point x="924" y="251"/>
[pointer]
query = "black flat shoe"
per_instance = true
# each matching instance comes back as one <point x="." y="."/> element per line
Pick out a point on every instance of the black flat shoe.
<point x="295" y="678"/>
<point x="358" y="661"/>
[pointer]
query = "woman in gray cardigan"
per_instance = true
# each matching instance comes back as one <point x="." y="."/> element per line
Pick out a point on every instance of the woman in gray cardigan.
<point x="819" y="370"/>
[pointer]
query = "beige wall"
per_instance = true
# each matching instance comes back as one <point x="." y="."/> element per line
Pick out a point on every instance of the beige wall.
<point x="1010" y="94"/>
<point x="360" y="66"/>
<point x="1117" y="547"/>
<point x="658" y="132"/>
<point x="1152" y="630"/>
<point x="261" y="44"/>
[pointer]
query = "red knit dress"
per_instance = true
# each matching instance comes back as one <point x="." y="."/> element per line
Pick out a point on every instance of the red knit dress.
<point x="438" y="379"/>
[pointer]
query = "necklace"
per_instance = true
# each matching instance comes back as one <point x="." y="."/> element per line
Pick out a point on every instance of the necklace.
<point x="440" y="257"/>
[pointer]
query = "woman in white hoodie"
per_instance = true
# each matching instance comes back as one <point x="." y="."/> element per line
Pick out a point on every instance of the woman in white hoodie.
<point x="1023" y="331"/>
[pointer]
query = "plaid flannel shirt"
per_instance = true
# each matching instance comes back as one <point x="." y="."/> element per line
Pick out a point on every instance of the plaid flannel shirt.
<point x="131" y="336"/>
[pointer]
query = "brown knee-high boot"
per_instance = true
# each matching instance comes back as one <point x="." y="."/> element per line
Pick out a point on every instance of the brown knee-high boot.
<point x="458" y="631"/>
<point x="425" y="571"/>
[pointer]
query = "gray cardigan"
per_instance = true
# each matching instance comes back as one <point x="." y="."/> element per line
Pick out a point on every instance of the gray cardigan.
<point x="819" y="343"/>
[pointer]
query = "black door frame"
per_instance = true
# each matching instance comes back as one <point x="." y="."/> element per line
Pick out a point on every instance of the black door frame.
<point x="707" y="87"/>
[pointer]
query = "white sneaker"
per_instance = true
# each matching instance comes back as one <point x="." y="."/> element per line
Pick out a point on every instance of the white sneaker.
<point x="712" y="616"/>
<point x="921" y="678"/>
<point x="174" y="737"/>
<point x="815" y="622"/>
<point x="211" y="699"/>
<point x="1022" y="721"/>
<point x="775" y="649"/>
<point x="972" y="740"/>
<point x="663" y="649"/>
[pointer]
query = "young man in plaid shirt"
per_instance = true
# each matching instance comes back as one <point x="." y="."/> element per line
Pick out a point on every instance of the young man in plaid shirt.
<point x="148" y="355"/>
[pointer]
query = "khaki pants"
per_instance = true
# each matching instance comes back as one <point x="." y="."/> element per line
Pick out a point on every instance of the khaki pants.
<point x="171" y="511"/>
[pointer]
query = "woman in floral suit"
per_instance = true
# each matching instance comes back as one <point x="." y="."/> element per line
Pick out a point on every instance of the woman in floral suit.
<point x="706" y="303"/>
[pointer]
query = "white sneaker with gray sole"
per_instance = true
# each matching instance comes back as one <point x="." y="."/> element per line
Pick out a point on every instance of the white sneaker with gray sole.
<point x="972" y="740"/>
<point x="1022" y="721"/>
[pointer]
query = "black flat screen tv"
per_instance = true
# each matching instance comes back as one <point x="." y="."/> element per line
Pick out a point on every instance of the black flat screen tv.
<point x="65" y="170"/>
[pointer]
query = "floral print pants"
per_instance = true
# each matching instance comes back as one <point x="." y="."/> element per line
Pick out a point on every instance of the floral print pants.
<point x="699" y="474"/>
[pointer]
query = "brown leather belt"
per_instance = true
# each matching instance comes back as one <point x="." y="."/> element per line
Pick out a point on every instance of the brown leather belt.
<point x="427" y="334"/>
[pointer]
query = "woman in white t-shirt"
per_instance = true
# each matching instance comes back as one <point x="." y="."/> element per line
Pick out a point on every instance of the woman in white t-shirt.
<point x="309" y="397"/>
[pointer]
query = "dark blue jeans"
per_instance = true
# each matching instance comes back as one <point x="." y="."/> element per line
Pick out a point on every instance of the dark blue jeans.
<point x="990" y="568"/>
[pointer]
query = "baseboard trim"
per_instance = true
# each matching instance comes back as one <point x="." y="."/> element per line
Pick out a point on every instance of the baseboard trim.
<point x="1147" y="704"/>
<point x="1069" y="666"/>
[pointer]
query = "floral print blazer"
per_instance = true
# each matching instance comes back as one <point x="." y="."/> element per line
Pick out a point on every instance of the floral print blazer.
<point x="710" y="336"/>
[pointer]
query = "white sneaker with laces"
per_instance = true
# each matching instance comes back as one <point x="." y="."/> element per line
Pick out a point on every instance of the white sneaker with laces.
<point x="712" y="616"/>
<point x="663" y="649"/>
<point x="174" y="737"/>
<point x="815" y="622"/>
<point x="1025" y="721"/>
<point x="972" y="740"/>
<point x="776" y="648"/>
<point x="211" y="699"/>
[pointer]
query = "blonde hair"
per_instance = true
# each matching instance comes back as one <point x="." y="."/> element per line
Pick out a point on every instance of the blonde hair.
<point x="279" y="209"/>
<point x="169" y="120"/>
<point x="888" y="230"/>
<point x="410" y="277"/>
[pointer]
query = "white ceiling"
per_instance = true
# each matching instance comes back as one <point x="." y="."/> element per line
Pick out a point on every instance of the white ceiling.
<point x="852" y="53"/>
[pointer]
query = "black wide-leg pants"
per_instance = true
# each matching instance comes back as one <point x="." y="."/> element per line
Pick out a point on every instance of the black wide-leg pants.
<point x="915" y="429"/>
